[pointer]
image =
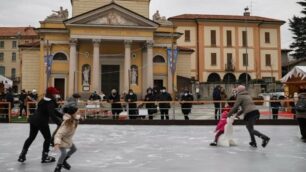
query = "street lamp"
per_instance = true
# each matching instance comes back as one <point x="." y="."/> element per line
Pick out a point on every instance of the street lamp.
<point x="246" y="13"/>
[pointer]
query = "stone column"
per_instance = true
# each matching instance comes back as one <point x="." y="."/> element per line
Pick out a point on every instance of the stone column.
<point x="96" y="77"/>
<point x="72" y="67"/>
<point x="127" y="64"/>
<point x="149" y="65"/>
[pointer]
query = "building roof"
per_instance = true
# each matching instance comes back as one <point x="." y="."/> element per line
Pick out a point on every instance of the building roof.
<point x="31" y="44"/>
<point x="17" y="31"/>
<point x="225" y="17"/>
<point x="296" y="72"/>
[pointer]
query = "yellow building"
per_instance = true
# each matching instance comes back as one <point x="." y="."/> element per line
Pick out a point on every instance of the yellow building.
<point x="10" y="61"/>
<point x="106" y="45"/>
<point x="230" y="49"/>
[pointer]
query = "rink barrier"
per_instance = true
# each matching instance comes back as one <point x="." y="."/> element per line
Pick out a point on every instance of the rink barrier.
<point x="5" y="111"/>
<point x="100" y="111"/>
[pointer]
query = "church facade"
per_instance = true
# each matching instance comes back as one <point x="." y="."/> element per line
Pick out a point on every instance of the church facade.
<point x="107" y="45"/>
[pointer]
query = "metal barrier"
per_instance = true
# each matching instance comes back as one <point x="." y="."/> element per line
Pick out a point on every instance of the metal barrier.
<point x="201" y="110"/>
<point x="5" y="111"/>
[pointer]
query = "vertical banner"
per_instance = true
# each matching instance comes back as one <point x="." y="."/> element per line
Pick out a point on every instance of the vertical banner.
<point x="172" y="60"/>
<point x="48" y="64"/>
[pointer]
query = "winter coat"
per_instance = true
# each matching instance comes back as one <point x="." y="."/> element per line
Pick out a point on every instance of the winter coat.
<point x="64" y="134"/>
<point x="186" y="107"/>
<point x="223" y="121"/>
<point x="245" y="101"/>
<point x="46" y="109"/>
<point x="132" y="106"/>
<point x="151" y="106"/>
<point x="217" y="94"/>
<point x="116" y="107"/>
<point x="275" y="106"/>
<point x="164" y="97"/>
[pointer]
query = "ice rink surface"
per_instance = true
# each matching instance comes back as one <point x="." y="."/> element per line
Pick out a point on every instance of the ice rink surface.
<point x="159" y="149"/>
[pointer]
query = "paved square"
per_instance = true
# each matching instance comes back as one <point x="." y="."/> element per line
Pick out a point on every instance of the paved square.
<point x="159" y="149"/>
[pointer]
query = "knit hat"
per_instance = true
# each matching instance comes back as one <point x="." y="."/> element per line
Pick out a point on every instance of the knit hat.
<point x="52" y="91"/>
<point x="240" y="88"/>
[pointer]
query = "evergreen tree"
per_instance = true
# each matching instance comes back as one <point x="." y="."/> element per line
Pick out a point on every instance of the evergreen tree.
<point x="298" y="27"/>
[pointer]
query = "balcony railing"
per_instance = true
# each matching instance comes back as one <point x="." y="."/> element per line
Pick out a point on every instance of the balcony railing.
<point x="229" y="67"/>
<point x="15" y="79"/>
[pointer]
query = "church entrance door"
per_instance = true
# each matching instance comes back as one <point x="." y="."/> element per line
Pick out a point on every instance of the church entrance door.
<point x="110" y="78"/>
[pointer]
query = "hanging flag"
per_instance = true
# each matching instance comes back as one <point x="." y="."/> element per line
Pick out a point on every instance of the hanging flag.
<point x="172" y="60"/>
<point x="48" y="64"/>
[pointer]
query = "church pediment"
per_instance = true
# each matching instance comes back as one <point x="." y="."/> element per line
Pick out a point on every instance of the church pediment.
<point x="112" y="15"/>
<point x="112" y="18"/>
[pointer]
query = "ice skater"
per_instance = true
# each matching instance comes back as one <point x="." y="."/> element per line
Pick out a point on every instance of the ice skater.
<point x="220" y="129"/>
<point x="251" y="115"/>
<point x="63" y="137"/>
<point x="46" y="109"/>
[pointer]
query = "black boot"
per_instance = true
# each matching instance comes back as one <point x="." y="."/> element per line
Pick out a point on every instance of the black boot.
<point x="22" y="156"/>
<point x="46" y="158"/>
<point x="58" y="168"/>
<point x="65" y="164"/>
<point x="253" y="144"/>
<point x="265" y="141"/>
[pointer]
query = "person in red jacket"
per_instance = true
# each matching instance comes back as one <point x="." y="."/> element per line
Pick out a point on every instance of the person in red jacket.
<point x="221" y="125"/>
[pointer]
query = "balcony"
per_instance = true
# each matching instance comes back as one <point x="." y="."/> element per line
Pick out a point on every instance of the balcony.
<point x="229" y="67"/>
<point x="15" y="79"/>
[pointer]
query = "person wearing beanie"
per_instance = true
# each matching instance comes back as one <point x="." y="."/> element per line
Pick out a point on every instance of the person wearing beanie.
<point x="39" y="122"/>
<point x="131" y="98"/>
<point x="251" y="115"/>
<point x="114" y="99"/>
<point x="63" y="137"/>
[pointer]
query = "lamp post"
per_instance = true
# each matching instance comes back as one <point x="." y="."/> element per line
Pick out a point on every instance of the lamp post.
<point x="246" y="13"/>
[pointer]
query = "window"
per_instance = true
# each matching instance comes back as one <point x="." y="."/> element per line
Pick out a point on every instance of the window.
<point x="158" y="59"/>
<point x="1" y="44"/>
<point x="268" y="59"/>
<point x="187" y="35"/>
<point x="214" y="59"/>
<point x="213" y="38"/>
<point x="1" y="57"/>
<point x="2" y="70"/>
<point x="13" y="73"/>
<point x="14" y="44"/>
<point x="267" y="37"/>
<point x="245" y="60"/>
<point x="60" y="56"/>
<point x="229" y="38"/>
<point x="244" y="39"/>
<point x="13" y="57"/>
<point x="229" y="58"/>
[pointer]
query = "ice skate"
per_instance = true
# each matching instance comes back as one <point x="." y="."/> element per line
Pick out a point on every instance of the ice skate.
<point x="66" y="165"/>
<point x="46" y="158"/>
<point x="213" y="144"/>
<point x="253" y="144"/>
<point x="265" y="142"/>
<point x="22" y="156"/>
<point x="58" y="168"/>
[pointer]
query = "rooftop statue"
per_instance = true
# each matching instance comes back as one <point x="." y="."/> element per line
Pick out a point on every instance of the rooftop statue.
<point x="60" y="14"/>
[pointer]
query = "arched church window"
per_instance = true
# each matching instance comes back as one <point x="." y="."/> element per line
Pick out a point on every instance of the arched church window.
<point x="159" y="59"/>
<point x="214" y="77"/>
<point x="60" y="56"/>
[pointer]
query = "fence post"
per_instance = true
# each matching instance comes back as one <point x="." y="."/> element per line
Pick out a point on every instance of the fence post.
<point x="9" y="111"/>
<point x="173" y="110"/>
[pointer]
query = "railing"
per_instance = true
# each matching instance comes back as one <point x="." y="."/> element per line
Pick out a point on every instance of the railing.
<point x="5" y="111"/>
<point x="229" y="67"/>
<point x="201" y="110"/>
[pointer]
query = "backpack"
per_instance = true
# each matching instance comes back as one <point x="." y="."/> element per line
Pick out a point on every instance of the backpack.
<point x="301" y="105"/>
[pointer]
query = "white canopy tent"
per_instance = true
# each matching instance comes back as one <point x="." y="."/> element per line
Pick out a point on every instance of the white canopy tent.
<point x="296" y="72"/>
<point x="6" y="81"/>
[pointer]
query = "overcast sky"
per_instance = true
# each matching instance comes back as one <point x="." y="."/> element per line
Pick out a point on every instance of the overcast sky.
<point x="30" y="12"/>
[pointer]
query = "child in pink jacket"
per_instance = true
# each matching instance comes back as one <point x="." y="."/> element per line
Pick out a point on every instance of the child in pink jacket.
<point x="221" y="124"/>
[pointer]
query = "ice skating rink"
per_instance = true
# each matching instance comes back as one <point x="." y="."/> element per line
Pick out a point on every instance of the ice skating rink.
<point x="159" y="149"/>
